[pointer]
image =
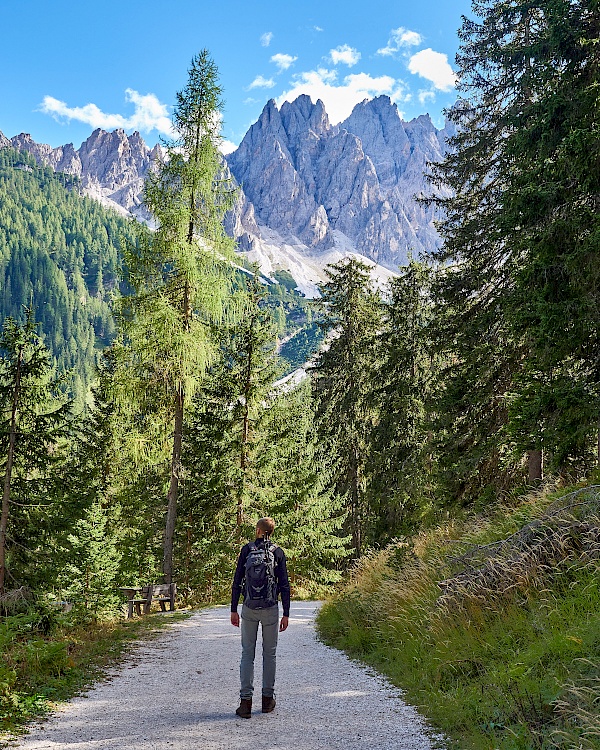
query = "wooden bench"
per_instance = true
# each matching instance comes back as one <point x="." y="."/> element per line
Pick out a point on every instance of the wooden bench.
<point x="156" y="592"/>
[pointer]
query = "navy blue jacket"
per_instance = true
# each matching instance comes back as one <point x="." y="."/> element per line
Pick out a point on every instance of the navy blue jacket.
<point x="281" y="576"/>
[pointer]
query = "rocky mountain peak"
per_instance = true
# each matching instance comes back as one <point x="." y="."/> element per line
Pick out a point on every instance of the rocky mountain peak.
<point x="377" y="123"/>
<point x="302" y="116"/>
<point x="111" y="165"/>
<point x="355" y="183"/>
<point x="307" y="189"/>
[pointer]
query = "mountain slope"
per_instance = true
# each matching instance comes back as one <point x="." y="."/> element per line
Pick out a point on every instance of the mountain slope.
<point x="59" y="253"/>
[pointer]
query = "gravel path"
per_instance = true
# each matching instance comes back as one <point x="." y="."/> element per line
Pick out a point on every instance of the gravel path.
<point x="180" y="691"/>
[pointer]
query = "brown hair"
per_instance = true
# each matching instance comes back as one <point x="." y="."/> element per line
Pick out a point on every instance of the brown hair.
<point x="266" y="524"/>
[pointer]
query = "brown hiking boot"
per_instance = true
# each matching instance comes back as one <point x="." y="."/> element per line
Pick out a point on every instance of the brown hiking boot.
<point x="268" y="704"/>
<point x="245" y="708"/>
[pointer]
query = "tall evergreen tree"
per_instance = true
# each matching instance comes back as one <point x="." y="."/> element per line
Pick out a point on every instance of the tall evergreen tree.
<point x="518" y="303"/>
<point x="234" y="399"/>
<point x="33" y="424"/>
<point x="401" y="470"/>
<point x="310" y="515"/>
<point x="343" y="383"/>
<point x="180" y="285"/>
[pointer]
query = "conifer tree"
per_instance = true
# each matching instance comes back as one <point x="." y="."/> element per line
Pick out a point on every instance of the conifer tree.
<point x="343" y="383"/>
<point x="179" y="281"/>
<point x="310" y="516"/>
<point x="34" y="422"/>
<point x="90" y="572"/>
<point x="252" y="439"/>
<point x="235" y="396"/>
<point x="401" y="470"/>
<point x="518" y="291"/>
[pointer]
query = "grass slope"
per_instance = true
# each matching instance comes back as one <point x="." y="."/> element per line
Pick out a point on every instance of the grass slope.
<point x="491" y="624"/>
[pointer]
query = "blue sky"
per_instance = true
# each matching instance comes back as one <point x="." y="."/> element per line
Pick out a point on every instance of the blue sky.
<point x="68" y="67"/>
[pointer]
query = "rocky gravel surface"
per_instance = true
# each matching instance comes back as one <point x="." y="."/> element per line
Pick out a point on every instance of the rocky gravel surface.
<point x="181" y="691"/>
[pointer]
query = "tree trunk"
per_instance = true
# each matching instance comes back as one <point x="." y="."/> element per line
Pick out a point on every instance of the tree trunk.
<point x="243" y="464"/>
<point x="8" y="476"/>
<point x="245" y="430"/>
<point x="535" y="465"/>
<point x="173" y="488"/>
<point x="355" y="502"/>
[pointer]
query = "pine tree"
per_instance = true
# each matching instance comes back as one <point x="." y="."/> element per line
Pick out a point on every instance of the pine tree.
<point x="34" y="424"/>
<point x="179" y="281"/>
<point x="401" y="471"/>
<point x="253" y="440"/>
<point x="310" y="516"/>
<point x="518" y="291"/>
<point x="343" y="384"/>
<point x="235" y="397"/>
<point x="90" y="572"/>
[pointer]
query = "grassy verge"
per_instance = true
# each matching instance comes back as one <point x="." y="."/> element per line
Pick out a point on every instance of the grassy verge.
<point x="490" y="625"/>
<point x="49" y="657"/>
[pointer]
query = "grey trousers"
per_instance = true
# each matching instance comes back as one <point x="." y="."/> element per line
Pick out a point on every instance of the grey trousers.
<point x="269" y="619"/>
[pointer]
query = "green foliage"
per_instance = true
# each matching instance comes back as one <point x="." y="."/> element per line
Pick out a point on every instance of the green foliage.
<point x="518" y="292"/>
<point x="89" y="576"/>
<point x="42" y="663"/>
<point x="310" y="516"/>
<point x="302" y="346"/>
<point x="33" y="431"/>
<point x="59" y="255"/>
<point x="179" y="276"/>
<point x="344" y="381"/>
<point x="252" y="451"/>
<point x="401" y="471"/>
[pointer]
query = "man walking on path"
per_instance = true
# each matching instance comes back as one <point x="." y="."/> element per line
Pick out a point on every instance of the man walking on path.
<point x="261" y="574"/>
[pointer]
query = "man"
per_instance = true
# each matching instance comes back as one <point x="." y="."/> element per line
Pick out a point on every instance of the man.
<point x="262" y="573"/>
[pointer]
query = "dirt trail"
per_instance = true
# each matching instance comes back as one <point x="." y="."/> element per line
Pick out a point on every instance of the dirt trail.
<point x="181" y="690"/>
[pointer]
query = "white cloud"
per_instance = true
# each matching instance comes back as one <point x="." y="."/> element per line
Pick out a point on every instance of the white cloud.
<point x="227" y="147"/>
<point x="149" y="114"/>
<point x="317" y="28"/>
<point x="399" y="38"/>
<point x="250" y="100"/>
<point x="425" y="96"/>
<point x="260" y="82"/>
<point x="283" y="62"/>
<point x="340" y="98"/>
<point x="344" y="54"/>
<point x="434" y="67"/>
<point x="266" y="38"/>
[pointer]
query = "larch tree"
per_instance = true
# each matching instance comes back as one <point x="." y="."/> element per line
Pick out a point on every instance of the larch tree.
<point x="178" y="274"/>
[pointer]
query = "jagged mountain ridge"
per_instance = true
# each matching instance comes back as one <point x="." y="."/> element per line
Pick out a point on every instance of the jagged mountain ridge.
<point x="111" y="166"/>
<point x="309" y="193"/>
<point x="309" y="180"/>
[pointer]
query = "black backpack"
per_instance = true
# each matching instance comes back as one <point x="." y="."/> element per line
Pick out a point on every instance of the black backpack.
<point x="260" y="586"/>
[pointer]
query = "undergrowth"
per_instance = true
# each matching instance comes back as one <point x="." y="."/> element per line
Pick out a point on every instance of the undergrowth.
<point x="490" y="625"/>
<point x="48" y="657"/>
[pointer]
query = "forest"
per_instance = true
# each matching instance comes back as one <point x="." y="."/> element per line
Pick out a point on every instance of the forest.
<point x="145" y="422"/>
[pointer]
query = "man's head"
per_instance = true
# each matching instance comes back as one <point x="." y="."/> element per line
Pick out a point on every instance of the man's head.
<point x="265" y="526"/>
